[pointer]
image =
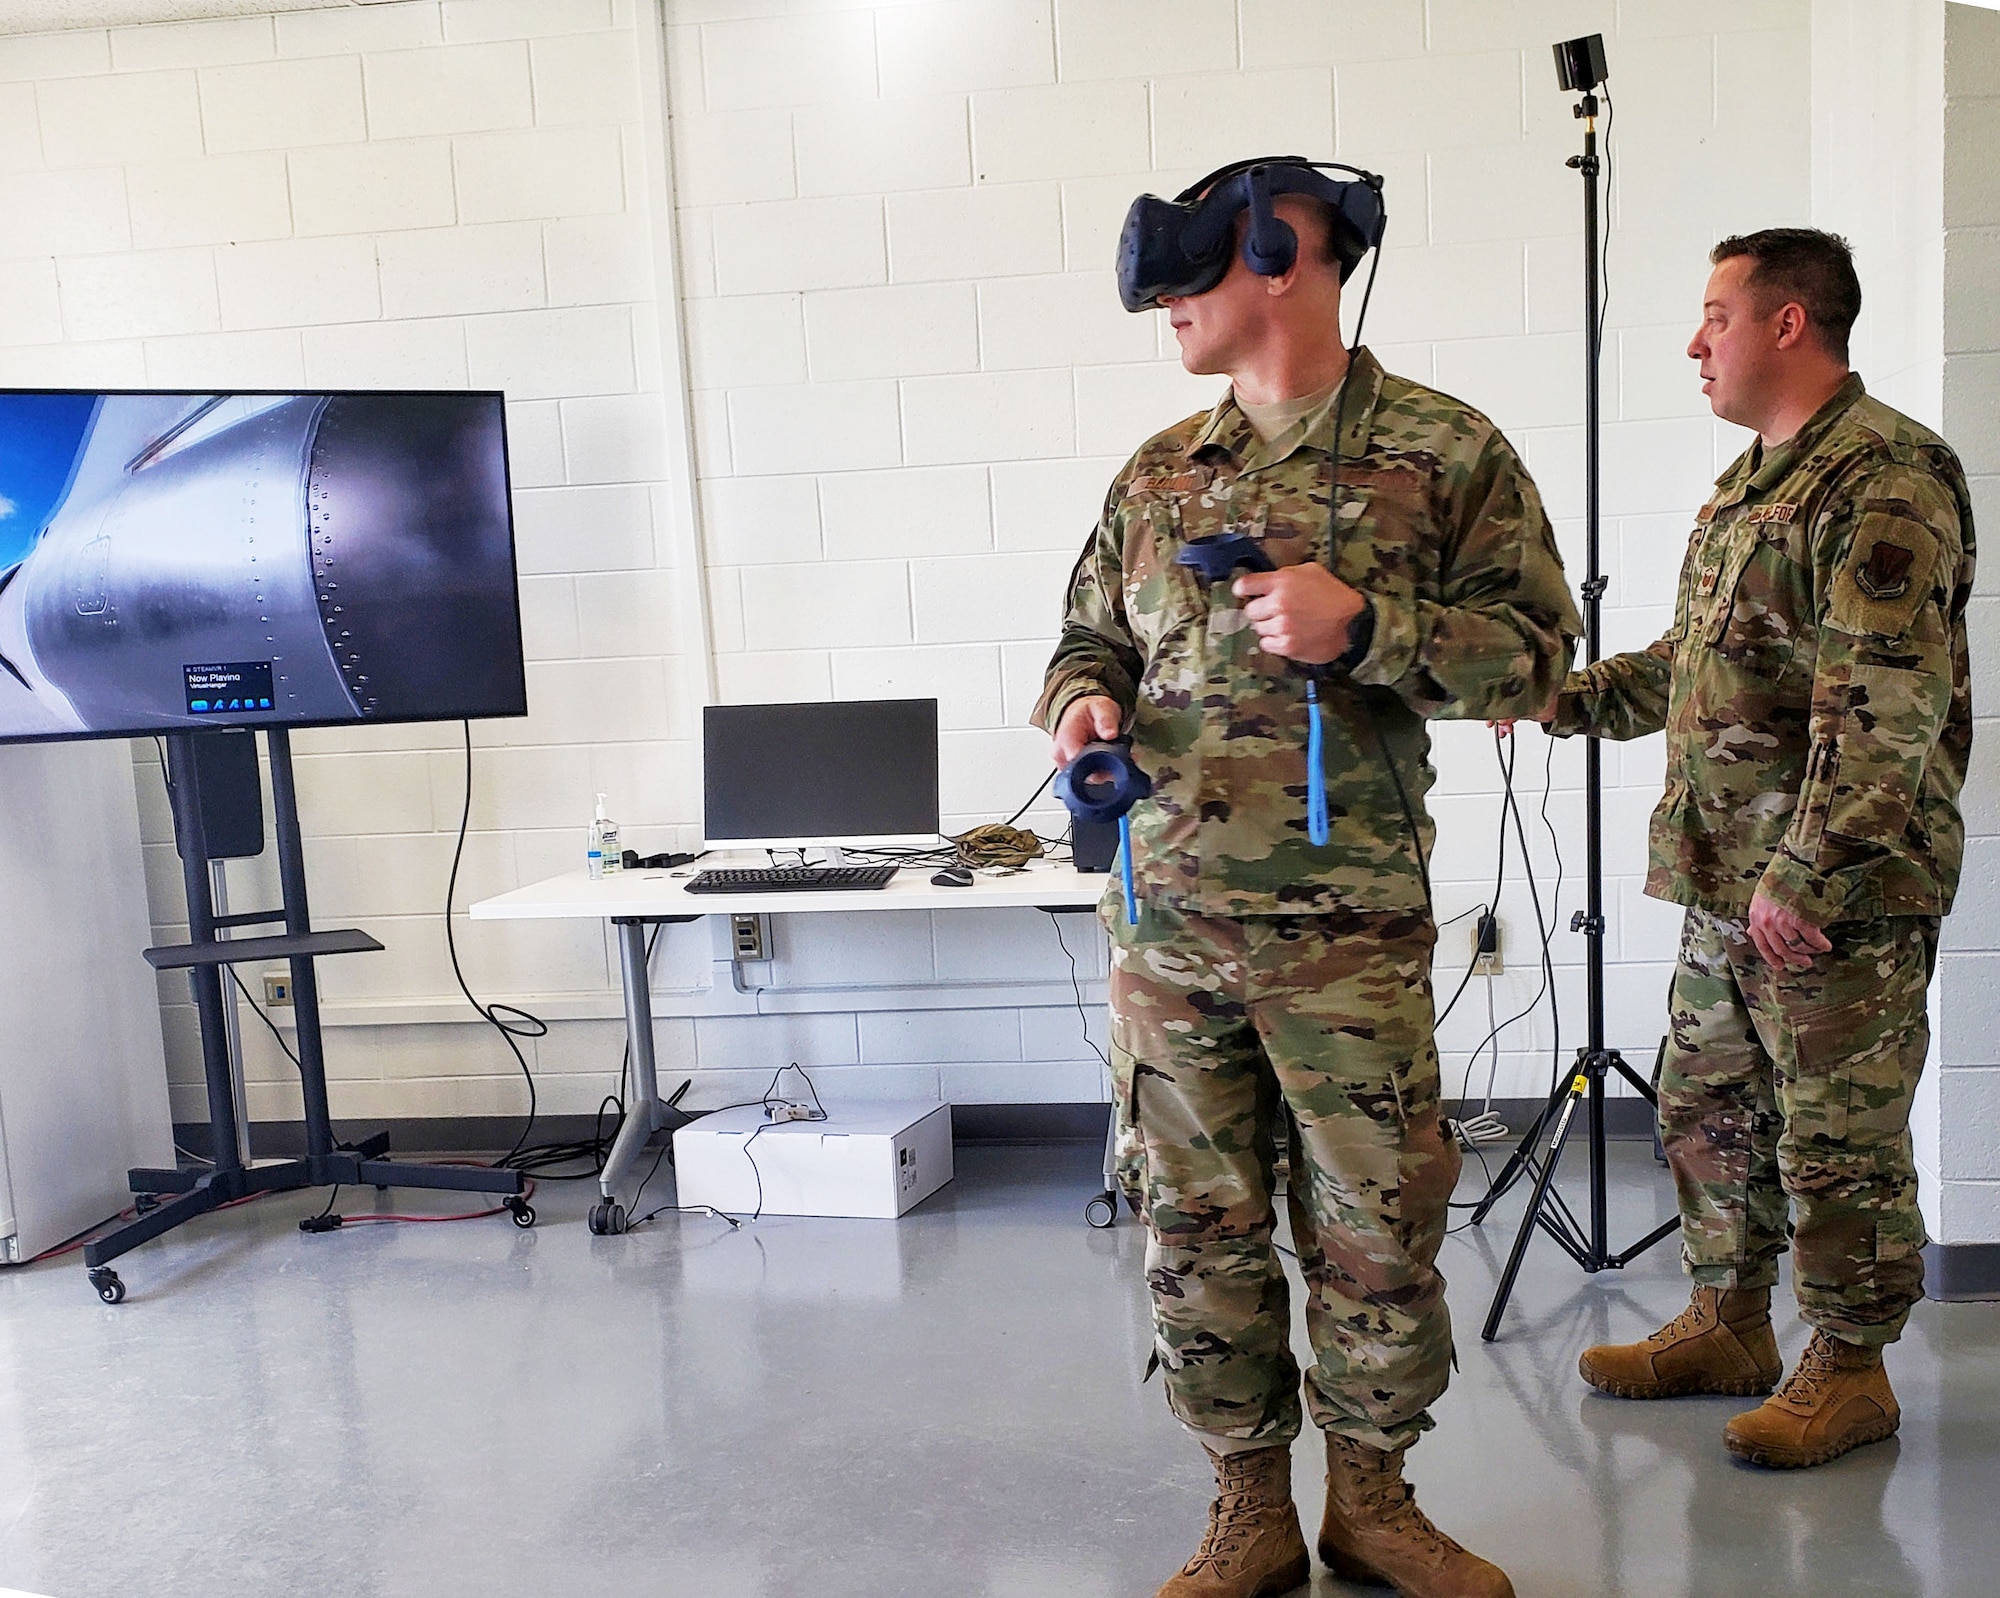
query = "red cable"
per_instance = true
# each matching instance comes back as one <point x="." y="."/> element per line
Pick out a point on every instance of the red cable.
<point x="91" y="1236"/>
<point x="131" y="1213"/>
<point x="527" y="1192"/>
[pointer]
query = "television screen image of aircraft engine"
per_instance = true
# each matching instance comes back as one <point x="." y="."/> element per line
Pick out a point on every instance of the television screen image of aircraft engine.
<point x="171" y="560"/>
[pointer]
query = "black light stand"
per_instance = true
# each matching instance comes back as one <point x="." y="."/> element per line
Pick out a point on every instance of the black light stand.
<point x="1580" y="67"/>
<point x="229" y="1178"/>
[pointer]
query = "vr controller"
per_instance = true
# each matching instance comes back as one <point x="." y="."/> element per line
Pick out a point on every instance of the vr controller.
<point x="1215" y="559"/>
<point x="1102" y="783"/>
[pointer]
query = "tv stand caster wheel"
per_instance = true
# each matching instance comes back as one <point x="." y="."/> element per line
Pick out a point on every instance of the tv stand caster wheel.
<point x="109" y="1288"/>
<point x="1102" y="1211"/>
<point x="522" y="1211"/>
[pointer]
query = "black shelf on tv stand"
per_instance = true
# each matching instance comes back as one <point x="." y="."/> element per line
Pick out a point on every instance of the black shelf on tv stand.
<point x="170" y="1198"/>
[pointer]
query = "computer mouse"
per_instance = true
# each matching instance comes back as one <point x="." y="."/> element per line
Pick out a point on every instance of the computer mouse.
<point x="952" y="877"/>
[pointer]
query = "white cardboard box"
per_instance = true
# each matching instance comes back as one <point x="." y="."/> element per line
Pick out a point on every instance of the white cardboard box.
<point x="869" y="1160"/>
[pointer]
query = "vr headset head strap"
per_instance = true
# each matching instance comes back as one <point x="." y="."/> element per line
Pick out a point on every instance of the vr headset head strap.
<point x="1269" y="246"/>
<point x="1195" y="190"/>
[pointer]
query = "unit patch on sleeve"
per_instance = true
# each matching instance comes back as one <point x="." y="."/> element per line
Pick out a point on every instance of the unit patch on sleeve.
<point x="1885" y="574"/>
<point x="1886" y="577"/>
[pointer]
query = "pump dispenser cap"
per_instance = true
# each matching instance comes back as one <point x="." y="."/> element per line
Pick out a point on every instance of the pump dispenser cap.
<point x="601" y="816"/>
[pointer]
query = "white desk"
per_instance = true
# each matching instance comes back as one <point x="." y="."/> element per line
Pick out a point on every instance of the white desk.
<point x="633" y="900"/>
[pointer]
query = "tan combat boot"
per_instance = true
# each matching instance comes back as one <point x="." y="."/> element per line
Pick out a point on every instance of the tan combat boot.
<point x="1374" y="1532"/>
<point x="1721" y="1343"/>
<point x="1838" y="1398"/>
<point x="1254" y="1548"/>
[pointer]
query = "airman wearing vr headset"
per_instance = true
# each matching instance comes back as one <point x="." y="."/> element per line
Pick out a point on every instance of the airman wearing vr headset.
<point x="1395" y="566"/>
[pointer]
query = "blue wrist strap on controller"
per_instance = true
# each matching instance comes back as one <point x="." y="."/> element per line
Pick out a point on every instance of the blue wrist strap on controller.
<point x="1103" y="783"/>
<point x="1125" y="869"/>
<point x="1316" y="822"/>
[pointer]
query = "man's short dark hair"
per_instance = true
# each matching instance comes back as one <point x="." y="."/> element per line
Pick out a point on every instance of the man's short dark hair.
<point x="1805" y="267"/>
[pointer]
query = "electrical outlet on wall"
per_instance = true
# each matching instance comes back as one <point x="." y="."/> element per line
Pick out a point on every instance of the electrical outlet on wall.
<point x="277" y="989"/>
<point x="750" y="937"/>
<point x="1486" y="956"/>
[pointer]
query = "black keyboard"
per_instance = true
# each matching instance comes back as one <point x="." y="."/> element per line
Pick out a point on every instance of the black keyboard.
<point x="789" y="879"/>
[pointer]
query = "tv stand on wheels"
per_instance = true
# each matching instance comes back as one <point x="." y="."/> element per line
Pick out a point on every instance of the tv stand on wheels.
<point x="170" y="1197"/>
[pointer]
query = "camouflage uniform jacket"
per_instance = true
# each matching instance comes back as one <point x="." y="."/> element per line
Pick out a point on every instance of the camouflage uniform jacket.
<point x="1814" y="687"/>
<point x="1441" y="528"/>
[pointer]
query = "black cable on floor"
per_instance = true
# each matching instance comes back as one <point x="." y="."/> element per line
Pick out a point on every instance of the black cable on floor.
<point x="766" y="1101"/>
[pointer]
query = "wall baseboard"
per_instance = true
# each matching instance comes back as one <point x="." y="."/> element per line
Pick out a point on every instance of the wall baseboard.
<point x="488" y="1134"/>
<point x="1960" y="1273"/>
<point x="1625" y="1119"/>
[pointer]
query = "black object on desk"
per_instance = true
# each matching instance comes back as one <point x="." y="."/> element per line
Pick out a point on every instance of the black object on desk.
<point x="1093" y="845"/>
<point x="197" y="1191"/>
<point x="789" y="879"/>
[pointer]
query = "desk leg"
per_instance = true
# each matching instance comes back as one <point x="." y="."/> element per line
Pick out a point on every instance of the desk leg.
<point x="643" y="1110"/>
<point x="1102" y="1211"/>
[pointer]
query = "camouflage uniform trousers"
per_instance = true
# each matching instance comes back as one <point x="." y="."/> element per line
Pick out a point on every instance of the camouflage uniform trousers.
<point x="1322" y="1024"/>
<point x="1792" y="1090"/>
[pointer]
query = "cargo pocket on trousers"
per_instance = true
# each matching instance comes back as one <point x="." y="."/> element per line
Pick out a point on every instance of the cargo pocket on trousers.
<point x="1825" y="1062"/>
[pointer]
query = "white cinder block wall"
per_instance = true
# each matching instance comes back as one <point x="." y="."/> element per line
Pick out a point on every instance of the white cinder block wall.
<point x="910" y="382"/>
<point x="1906" y="110"/>
<point x="1968" y="1083"/>
<point x="1878" y="179"/>
<point x="396" y="195"/>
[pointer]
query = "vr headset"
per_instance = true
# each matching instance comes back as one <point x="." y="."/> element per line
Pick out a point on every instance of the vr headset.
<point x="1182" y="246"/>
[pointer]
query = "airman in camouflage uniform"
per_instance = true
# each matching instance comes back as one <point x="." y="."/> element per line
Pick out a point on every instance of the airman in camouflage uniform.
<point x="1269" y="980"/>
<point x="1815" y="692"/>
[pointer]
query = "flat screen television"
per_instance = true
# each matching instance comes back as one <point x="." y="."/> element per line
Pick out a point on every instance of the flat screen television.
<point x="175" y="561"/>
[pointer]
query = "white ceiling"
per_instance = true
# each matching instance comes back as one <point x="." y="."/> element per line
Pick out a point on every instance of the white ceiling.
<point x="46" y="16"/>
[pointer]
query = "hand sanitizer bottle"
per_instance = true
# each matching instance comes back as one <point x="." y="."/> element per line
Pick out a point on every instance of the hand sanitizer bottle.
<point x="606" y="857"/>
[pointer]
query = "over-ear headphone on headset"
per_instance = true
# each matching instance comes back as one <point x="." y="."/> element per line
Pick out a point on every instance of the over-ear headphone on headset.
<point x="1182" y="246"/>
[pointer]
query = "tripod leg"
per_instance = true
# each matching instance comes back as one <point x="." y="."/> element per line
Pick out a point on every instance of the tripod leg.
<point x="1519" y="1158"/>
<point x="1647" y="1090"/>
<point x="1659" y="1234"/>
<point x="1531" y="1217"/>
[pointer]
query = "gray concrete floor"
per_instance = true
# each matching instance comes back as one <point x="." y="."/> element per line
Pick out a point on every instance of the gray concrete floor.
<point x="948" y="1405"/>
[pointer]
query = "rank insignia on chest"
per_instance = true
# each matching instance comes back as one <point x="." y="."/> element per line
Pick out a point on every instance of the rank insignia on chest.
<point x="1710" y="576"/>
<point x="1885" y="574"/>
